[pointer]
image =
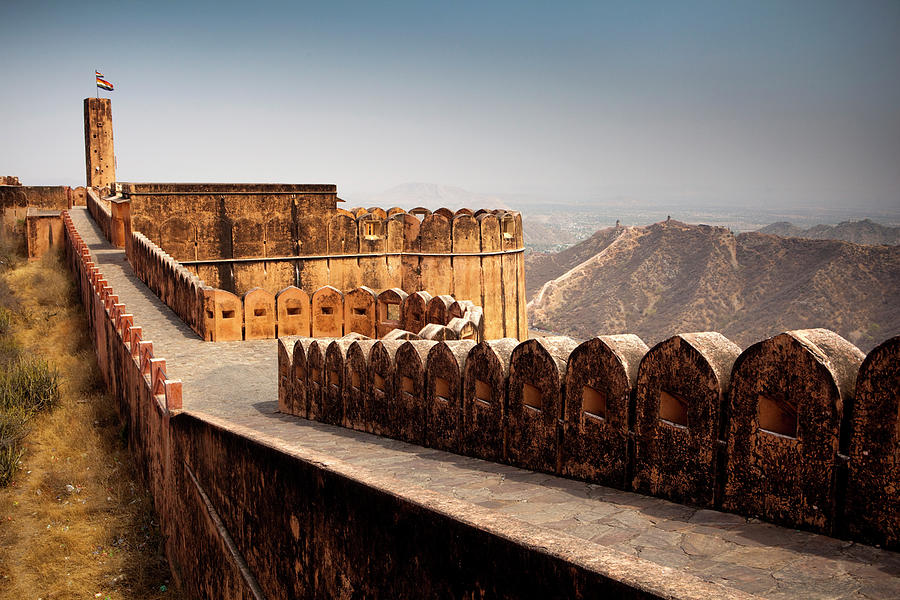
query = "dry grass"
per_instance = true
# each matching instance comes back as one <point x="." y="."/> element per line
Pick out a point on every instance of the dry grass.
<point x="75" y="522"/>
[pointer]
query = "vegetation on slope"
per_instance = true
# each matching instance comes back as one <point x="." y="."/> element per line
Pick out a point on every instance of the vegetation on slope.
<point x="74" y="521"/>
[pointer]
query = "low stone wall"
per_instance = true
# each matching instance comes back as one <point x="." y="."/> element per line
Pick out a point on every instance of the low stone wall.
<point x="783" y="431"/>
<point x="243" y="519"/>
<point x="16" y="199"/>
<point x="100" y="211"/>
<point x="218" y="315"/>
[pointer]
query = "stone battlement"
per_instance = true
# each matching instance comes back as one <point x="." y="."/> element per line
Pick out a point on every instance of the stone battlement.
<point x="797" y="429"/>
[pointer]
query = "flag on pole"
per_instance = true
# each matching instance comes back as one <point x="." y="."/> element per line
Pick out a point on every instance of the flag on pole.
<point x="102" y="83"/>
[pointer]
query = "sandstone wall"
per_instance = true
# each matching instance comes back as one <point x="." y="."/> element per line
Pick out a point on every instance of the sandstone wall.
<point x="242" y="519"/>
<point x="15" y="200"/>
<point x="218" y="315"/>
<point x="777" y="431"/>
<point x="237" y="237"/>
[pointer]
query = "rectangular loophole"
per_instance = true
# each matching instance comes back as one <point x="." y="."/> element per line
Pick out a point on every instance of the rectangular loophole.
<point x="316" y="375"/>
<point x="210" y="314"/>
<point x="593" y="402"/>
<point x="672" y="409"/>
<point x="354" y="379"/>
<point x="333" y="378"/>
<point x="393" y="312"/>
<point x="442" y="389"/>
<point x="327" y="310"/>
<point x="776" y="417"/>
<point x="359" y="312"/>
<point x="407" y="386"/>
<point x="227" y="314"/>
<point x="259" y="312"/>
<point x="532" y="396"/>
<point x="300" y="373"/>
<point x="294" y="311"/>
<point x="379" y="383"/>
<point x="483" y="391"/>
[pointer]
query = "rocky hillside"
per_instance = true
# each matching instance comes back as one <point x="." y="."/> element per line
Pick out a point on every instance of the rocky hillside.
<point x="672" y="277"/>
<point x="858" y="232"/>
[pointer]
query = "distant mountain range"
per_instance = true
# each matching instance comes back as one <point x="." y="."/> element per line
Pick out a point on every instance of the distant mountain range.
<point x="858" y="232"/>
<point x="672" y="277"/>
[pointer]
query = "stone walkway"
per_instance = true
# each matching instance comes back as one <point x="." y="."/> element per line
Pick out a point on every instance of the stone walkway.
<point x="234" y="383"/>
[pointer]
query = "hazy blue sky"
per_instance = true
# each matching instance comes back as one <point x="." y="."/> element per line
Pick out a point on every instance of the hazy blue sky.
<point x="774" y="103"/>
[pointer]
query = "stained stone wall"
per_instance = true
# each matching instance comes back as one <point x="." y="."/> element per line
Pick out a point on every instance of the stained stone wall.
<point x="797" y="429"/>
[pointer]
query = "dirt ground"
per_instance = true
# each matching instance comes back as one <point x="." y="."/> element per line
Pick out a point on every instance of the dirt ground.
<point x="75" y="522"/>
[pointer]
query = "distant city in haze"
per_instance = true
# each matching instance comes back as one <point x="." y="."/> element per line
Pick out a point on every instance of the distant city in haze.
<point x="739" y="114"/>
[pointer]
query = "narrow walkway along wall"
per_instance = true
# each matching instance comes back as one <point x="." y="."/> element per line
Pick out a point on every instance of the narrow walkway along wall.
<point x="243" y="518"/>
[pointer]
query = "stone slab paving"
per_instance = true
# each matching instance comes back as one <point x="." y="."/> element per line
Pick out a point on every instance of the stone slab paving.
<point x="235" y="383"/>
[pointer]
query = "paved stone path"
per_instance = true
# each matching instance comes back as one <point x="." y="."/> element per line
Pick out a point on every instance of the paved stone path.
<point x="235" y="383"/>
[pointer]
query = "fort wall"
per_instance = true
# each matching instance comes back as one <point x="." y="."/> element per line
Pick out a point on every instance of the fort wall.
<point x="218" y="315"/>
<point x="243" y="518"/>
<point x="237" y="237"/>
<point x="16" y="199"/>
<point x="784" y="431"/>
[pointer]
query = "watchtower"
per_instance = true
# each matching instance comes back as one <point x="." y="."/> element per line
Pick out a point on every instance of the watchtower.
<point x="100" y="160"/>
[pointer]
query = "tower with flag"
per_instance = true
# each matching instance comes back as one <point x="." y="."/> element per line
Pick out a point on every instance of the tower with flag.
<point x="102" y="83"/>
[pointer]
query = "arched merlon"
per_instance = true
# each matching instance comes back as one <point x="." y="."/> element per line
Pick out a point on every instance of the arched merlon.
<point x="359" y="404"/>
<point x="484" y="399"/>
<point x="535" y="402"/>
<point x="408" y="407"/>
<point x="787" y="401"/>
<point x="443" y="390"/>
<point x="600" y="380"/>
<point x="873" y="485"/>
<point x="681" y="387"/>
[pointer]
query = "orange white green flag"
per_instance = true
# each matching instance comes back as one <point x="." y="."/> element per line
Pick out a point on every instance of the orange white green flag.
<point x="102" y="83"/>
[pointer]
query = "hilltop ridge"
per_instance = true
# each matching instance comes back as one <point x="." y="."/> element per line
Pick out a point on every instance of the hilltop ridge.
<point x="672" y="277"/>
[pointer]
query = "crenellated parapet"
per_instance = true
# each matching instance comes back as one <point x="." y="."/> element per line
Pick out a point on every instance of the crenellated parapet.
<point x="237" y="237"/>
<point x="798" y="429"/>
<point x="219" y="315"/>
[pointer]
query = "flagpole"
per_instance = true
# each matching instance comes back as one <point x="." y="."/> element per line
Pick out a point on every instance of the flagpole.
<point x="95" y="84"/>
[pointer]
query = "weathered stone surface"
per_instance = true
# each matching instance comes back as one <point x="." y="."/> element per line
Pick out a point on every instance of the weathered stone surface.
<point x="359" y="311"/>
<point x="327" y="312"/>
<point x="681" y="386"/>
<point x="388" y="305"/>
<point x="401" y="334"/>
<point x="100" y="159"/>
<point x="463" y="329"/>
<point x="358" y="403"/>
<point x="438" y="309"/>
<point x="413" y="311"/>
<point x="285" y="381"/>
<point x="381" y="369"/>
<point x="259" y="315"/>
<point x="223" y="316"/>
<point x="484" y="399"/>
<point x="293" y="307"/>
<point x="300" y="378"/>
<point x="408" y="408"/>
<point x="873" y="486"/>
<point x="536" y="377"/>
<point x="443" y="390"/>
<point x="315" y="378"/>
<point x="335" y="385"/>
<point x="43" y="231"/>
<point x="787" y="401"/>
<point x="600" y="379"/>
<point x="437" y="332"/>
